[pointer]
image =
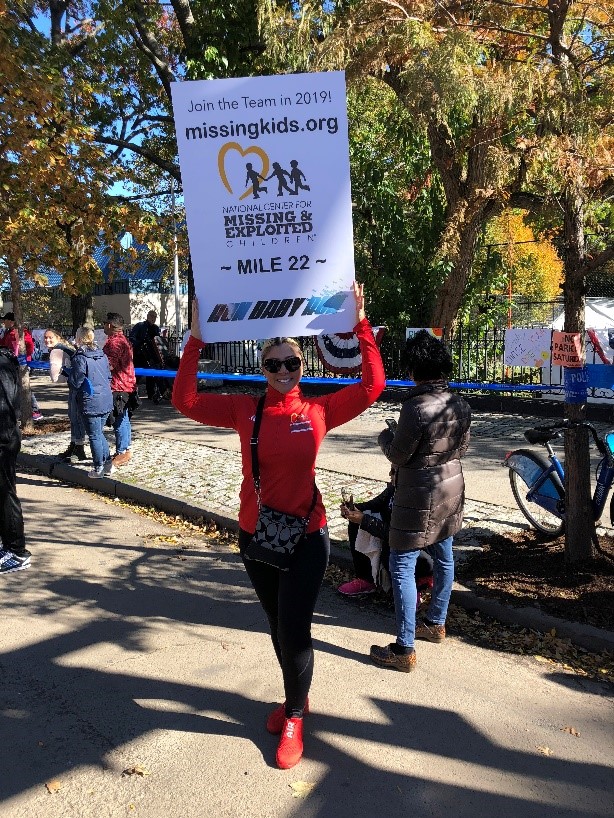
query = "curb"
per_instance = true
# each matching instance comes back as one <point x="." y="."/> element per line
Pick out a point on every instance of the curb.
<point x="585" y="636"/>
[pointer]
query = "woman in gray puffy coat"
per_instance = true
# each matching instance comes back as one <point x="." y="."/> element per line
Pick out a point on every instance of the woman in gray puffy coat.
<point x="431" y="437"/>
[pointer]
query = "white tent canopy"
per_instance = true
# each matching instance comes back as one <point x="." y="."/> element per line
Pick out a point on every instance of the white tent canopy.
<point x="599" y="314"/>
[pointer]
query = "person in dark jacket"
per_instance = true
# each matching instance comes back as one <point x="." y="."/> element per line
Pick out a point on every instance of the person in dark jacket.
<point x="14" y="555"/>
<point x="431" y="437"/>
<point x="373" y="516"/>
<point x="145" y="340"/>
<point x="90" y="375"/>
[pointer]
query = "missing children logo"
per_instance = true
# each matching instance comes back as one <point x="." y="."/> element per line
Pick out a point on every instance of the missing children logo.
<point x="285" y="181"/>
<point x="269" y="197"/>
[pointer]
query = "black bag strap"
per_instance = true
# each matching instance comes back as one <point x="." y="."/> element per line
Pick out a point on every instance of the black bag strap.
<point x="254" y="446"/>
<point x="256" y="466"/>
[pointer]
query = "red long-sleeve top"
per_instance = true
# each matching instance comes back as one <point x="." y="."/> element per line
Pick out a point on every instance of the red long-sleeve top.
<point x="293" y="427"/>
<point x="118" y="350"/>
<point x="10" y="340"/>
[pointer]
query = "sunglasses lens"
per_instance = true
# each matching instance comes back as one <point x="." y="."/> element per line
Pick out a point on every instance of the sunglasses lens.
<point x="293" y="364"/>
<point x="274" y="364"/>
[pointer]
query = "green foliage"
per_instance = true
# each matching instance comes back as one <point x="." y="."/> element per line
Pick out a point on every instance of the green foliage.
<point x="397" y="208"/>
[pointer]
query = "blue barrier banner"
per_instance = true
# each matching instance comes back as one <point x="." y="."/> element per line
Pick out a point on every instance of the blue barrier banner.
<point x="600" y="376"/>
<point x="225" y="376"/>
<point x="576" y="383"/>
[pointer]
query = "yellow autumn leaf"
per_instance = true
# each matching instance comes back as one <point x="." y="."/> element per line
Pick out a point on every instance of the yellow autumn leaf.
<point x="301" y="789"/>
<point x="136" y="770"/>
<point x="545" y="751"/>
<point x="54" y="785"/>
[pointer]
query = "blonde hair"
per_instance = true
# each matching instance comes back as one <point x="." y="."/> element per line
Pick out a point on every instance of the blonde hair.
<point x="277" y="342"/>
<point x="84" y="337"/>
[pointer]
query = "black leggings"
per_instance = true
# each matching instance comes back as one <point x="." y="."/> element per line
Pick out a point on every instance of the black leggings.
<point x="11" y="518"/>
<point x="289" y="599"/>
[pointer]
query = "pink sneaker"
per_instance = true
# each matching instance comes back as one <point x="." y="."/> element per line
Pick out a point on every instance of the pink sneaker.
<point x="356" y="587"/>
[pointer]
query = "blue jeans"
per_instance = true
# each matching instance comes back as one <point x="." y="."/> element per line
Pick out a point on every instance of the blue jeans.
<point x="123" y="432"/>
<point x="77" y="427"/>
<point x="403" y="576"/>
<point x="94" y="425"/>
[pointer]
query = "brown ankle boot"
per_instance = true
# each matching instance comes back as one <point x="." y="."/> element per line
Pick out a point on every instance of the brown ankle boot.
<point x="385" y="657"/>
<point x="432" y="633"/>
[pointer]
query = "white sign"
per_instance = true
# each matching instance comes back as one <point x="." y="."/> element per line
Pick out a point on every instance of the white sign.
<point x="266" y="180"/>
<point x="527" y="347"/>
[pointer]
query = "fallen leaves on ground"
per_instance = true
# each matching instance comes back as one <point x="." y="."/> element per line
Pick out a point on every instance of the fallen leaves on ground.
<point x="166" y="538"/>
<point x="136" y="770"/>
<point x="301" y="789"/>
<point x="54" y="785"/>
<point x="47" y="426"/>
<point x="571" y="730"/>
<point x="471" y="625"/>
<point x="545" y="751"/>
<point x="519" y="569"/>
<point x="194" y="525"/>
<point x="474" y="626"/>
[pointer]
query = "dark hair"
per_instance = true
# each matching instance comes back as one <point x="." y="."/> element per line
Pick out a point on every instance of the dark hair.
<point x="426" y="358"/>
<point x="115" y="319"/>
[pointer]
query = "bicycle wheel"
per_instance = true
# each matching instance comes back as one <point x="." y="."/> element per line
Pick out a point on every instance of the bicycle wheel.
<point x="543" y="513"/>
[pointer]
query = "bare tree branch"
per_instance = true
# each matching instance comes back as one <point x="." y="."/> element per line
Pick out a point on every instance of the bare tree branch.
<point x="169" y="167"/>
<point x="148" y="44"/>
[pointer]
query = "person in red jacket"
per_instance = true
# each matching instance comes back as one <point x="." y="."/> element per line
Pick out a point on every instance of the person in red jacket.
<point x="10" y="341"/>
<point x="292" y="430"/>
<point x="118" y="350"/>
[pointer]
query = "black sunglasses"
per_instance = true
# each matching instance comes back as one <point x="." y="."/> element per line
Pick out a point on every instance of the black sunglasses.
<point x="292" y="364"/>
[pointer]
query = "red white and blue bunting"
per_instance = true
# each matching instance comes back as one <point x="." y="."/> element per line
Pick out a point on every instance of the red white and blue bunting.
<point x="341" y="353"/>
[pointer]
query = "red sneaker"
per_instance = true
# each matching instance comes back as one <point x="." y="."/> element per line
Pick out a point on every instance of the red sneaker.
<point x="277" y="717"/>
<point x="290" y="749"/>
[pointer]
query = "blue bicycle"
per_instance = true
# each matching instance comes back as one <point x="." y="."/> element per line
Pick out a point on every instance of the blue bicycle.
<point x="538" y="482"/>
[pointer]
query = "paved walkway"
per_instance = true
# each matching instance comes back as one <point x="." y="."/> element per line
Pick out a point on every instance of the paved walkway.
<point x="137" y="673"/>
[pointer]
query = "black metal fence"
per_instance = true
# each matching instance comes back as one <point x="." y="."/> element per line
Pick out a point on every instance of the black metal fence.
<point x="478" y="357"/>
<point x="477" y="350"/>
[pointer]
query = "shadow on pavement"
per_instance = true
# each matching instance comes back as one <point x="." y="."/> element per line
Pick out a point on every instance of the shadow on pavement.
<point x="58" y="713"/>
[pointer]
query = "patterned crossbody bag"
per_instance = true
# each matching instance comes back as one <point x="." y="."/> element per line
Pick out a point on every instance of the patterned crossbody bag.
<point x="277" y="533"/>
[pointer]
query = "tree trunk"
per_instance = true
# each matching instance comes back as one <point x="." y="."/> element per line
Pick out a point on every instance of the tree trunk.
<point x="580" y="523"/>
<point x="470" y="202"/>
<point x="82" y="311"/>
<point x="451" y="293"/>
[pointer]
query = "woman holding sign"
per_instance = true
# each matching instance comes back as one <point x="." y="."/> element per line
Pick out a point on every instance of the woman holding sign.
<point x="280" y="437"/>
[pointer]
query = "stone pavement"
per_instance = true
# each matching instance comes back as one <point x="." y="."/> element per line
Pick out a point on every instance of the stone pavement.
<point x="170" y="464"/>
<point x="174" y="469"/>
